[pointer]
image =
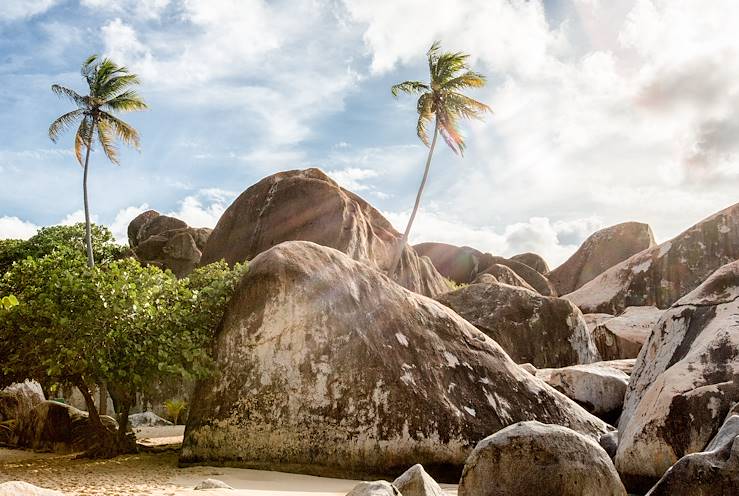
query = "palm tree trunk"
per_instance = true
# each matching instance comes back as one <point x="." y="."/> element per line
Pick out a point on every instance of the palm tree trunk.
<point x="404" y="239"/>
<point x="88" y="227"/>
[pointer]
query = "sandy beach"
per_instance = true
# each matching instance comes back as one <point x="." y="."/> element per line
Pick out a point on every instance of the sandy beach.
<point x="157" y="474"/>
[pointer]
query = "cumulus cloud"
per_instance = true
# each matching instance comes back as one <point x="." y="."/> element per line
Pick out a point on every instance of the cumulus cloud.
<point x="146" y="9"/>
<point x="204" y="208"/>
<point x="14" y="10"/>
<point x="15" y="228"/>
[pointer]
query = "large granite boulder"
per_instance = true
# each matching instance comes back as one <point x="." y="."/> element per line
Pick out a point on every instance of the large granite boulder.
<point x="711" y="472"/>
<point x="533" y="260"/>
<point x="541" y="330"/>
<point x="623" y="336"/>
<point x="532" y="277"/>
<point x="504" y="274"/>
<point x="661" y="275"/>
<point x="52" y="426"/>
<point x="375" y="488"/>
<point x="601" y="251"/>
<point x="326" y="366"/>
<point x="684" y="381"/>
<point x="416" y="482"/>
<point x="307" y="205"/>
<point x="461" y="264"/>
<point x="167" y="242"/>
<point x="531" y="458"/>
<point x="18" y="399"/>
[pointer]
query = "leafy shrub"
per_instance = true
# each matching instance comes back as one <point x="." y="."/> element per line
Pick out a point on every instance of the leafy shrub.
<point x="175" y="408"/>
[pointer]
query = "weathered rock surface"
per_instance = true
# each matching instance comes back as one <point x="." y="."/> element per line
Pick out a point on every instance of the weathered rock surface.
<point x="18" y="399"/>
<point x="376" y="488"/>
<point x="601" y="251"/>
<point x="661" y="275"/>
<point x="593" y="320"/>
<point x="543" y="331"/>
<point x="20" y="488"/>
<point x="57" y="427"/>
<point x="329" y="367"/>
<point x="485" y="279"/>
<point x="609" y="442"/>
<point x="684" y="381"/>
<point x="307" y="205"/>
<point x="535" y="458"/>
<point x="623" y="336"/>
<point x="505" y="275"/>
<point x="534" y="261"/>
<point x="532" y="277"/>
<point x="461" y="264"/>
<point x="147" y="419"/>
<point x="599" y="389"/>
<point x="416" y="482"/>
<point x="167" y="242"/>
<point x="711" y="472"/>
<point x="212" y="484"/>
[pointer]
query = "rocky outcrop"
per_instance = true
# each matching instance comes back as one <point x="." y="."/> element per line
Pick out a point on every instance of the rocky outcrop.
<point x="328" y="367"/>
<point x="543" y="331"/>
<point x="535" y="458"/>
<point x="601" y="251"/>
<point x="684" y="381"/>
<point x="18" y="399"/>
<point x="598" y="387"/>
<point x="376" y="488"/>
<point x="416" y="482"/>
<point x="167" y="242"/>
<point x="57" y="427"/>
<point x="461" y="264"/>
<point x="307" y="205"/>
<point x="623" y="336"/>
<point x="505" y="275"/>
<point x="711" y="472"/>
<point x="534" y="261"/>
<point x="533" y="278"/>
<point x="661" y="275"/>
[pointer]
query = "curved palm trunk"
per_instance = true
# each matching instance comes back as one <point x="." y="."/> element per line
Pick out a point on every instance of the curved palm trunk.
<point x="401" y="244"/>
<point x="88" y="228"/>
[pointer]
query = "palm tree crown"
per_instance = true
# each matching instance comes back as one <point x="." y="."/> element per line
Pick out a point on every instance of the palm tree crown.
<point x="441" y="98"/>
<point x="110" y="92"/>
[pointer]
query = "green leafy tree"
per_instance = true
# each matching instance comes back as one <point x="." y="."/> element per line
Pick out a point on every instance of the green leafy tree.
<point x="109" y="93"/>
<point x="117" y="323"/>
<point x="442" y="102"/>
<point x="8" y="302"/>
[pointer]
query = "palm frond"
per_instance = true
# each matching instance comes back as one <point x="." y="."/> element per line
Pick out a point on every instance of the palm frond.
<point x="469" y="79"/>
<point x="63" y="122"/>
<point x="464" y="106"/>
<point x="449" y="130"/>
<point x="125" y="132"/>
<point x="410" y="87"/>
<point x="70" y="94"/>
<point x="107" y="140"/>
<point x="88" y="69"/>
<point x="425" y="114"/>
<point x="447" y="66"/>
<point x="83" y="138"/>
<point x="125" y="102"/>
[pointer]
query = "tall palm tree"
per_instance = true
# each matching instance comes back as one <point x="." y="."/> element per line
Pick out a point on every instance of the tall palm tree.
<point x="110" y="92"/>
<point x="441" y="101"/>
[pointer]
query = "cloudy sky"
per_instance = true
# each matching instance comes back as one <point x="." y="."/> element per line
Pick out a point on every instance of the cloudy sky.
<point x="604" y="111"/>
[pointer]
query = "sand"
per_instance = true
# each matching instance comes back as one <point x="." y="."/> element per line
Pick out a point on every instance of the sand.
<point x="157" y="474"/>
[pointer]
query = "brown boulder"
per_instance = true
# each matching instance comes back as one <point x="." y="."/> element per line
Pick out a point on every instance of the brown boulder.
<point x="534" y="261"/>
<point x="326" y="366"/>
<point x="601" y="251"/>
<point x="541" y="330"/>
<point x="137" y="223"/>
<point x="504" y="275"/>
<point x="461" y="264"/>
<point x="532" y="277"/>
<point x="684" y="381"/>
<point x="623" y="336"/>
<point x="307" y="205"/>
<point x="661" y="275"/>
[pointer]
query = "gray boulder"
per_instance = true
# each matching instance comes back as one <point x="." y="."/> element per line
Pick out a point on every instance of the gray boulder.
<point x="416" y="482"/>
<point x="376" y="488"/>
<point x="212" y="484"/>
<point x="147" y="419"/>
<point x="623" y="336"/>
<point x="684" y="381"/>
<point x="535" y="458"/>
<point x="534" y="261"/>
<point x="544" y="331"/>
<point x="18" y="399"/>
<point x="327" y="366"/>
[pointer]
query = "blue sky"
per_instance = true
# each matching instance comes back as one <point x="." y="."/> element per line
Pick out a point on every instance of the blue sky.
<point x="604" y="111"/>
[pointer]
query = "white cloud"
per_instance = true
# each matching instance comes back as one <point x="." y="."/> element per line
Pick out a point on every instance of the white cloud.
<point x="204" y="208"/>
<point x="119" y="226"/>
<point x="145" y="9"/>
<point x="76" y="217"/>
<point x="13" y="10"/>
<point x="353" y="178"/>
<point x="15" y="228"/>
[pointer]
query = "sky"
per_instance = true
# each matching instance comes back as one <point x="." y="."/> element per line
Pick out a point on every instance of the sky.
<point x="604" y="112"/>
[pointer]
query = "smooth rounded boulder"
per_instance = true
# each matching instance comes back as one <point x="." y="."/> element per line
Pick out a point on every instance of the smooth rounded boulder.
<point x="684" y="381"/>
<point x="531" y="458"/>
<point x="416" y="482"/>
<point x="661" y="275"/>
<point x="307" y="205"/>
<point x="19" y="399"/>
<point x="461" y="264"/>
<point x="623" y="336"/>
<point x="533" y="278"/>
<point x="534" y="261"/>
<point x="504" y="274"/>
<point x="328" y="367"/>
<point x="531" y="328"/>
<point x="599" y="252"/>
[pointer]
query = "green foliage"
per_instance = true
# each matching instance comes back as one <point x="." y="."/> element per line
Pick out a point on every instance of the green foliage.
<point x="453" y="285"/>
<point x="175" y="408"/>
<point x="117" y="323"/>
<point x="48" y="239"/>
<point x="8" y="302"/>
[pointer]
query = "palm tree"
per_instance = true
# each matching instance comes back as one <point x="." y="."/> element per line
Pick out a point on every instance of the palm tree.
<point x="110" y="92"/>
<point x="441" y="101"/>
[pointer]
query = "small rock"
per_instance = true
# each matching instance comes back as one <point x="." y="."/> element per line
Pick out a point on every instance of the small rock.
<point x="147" y="419"/>
<point x="212" y="484"/>
<point x="416" y="482"/>
<point x="376" y="488"/>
